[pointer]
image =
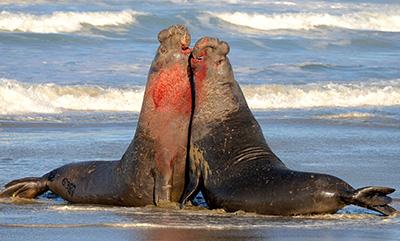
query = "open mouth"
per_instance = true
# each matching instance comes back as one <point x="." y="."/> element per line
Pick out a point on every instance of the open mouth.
<point x="186" y="50"/>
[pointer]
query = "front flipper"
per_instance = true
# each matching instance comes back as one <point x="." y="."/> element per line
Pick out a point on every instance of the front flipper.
<point x="162" y="189"/>
<point x="29" y="187"/>
<point x="193" y="183"/>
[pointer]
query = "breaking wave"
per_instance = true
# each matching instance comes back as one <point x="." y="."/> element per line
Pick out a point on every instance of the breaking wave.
<point x="323" y="95"/>
<point x="351" y="115"/>
<point x="17" y="97"/>
<point x="63" y="22"/>
<point x="376" y="21"/>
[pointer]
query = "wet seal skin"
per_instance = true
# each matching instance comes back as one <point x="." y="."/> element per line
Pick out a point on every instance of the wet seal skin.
<point x="233" y="166"/>
<point x="152" y="170"/>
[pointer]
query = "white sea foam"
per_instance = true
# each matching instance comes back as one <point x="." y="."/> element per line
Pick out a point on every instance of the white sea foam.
<point x="285" y="3"/>
<point x="322" y="95"/>
<point x="21" y="2"/>
<point x="350" y="115"/>
<point x="377" y="21"/>
<point x="18" y="98"/>
<point x="63" y="22"/>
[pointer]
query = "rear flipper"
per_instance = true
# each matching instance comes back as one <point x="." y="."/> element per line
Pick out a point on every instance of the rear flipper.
<point x="374" y="198"/>
<point x="29" y="187"/>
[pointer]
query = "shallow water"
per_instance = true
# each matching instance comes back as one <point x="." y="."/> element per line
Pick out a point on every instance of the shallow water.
<point x="321" y="77"/>
<point x="345" y="149"/>
<point x="47" y="219"/>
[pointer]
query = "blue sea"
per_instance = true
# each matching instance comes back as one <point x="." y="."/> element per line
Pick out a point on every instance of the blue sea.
<point x="321" y="77"/>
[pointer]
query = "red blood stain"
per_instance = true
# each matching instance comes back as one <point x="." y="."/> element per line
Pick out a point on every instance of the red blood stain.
<point x="168" y="121"/>
<point x="199" y="72"/>
<point x="200" y="68"/>
<point x="171" y="89"/>
<point x="165" y="161"/>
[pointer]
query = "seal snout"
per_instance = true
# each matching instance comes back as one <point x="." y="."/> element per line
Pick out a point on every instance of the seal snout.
<point x="176" y="36"/>
<point x="209" y="45"/>
<point x="185" y="41"/>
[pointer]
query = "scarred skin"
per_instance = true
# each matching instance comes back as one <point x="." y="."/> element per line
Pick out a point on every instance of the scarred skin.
<point x="152" y="170"/>
<point x="233" y="166"/>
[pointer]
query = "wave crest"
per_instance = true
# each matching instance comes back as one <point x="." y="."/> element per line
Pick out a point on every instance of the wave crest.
<point x="323" y="95"/>
<point x="63" y="22"/>
<point x="350" y="115"/>
<point x="17" y="97"/>
<point x="388" y="22"/>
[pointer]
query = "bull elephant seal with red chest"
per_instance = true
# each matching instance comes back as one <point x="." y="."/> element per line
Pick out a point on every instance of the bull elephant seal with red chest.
<point x="231" y="163"/>
<point x="152" y="170"/>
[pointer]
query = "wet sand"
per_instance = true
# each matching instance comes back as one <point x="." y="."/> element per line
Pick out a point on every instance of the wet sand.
<point x="55" y="220"/>
<point x="88" y="234"/>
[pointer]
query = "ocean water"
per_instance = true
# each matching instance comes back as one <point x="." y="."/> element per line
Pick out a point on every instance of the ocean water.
<point x="322" y="78"/>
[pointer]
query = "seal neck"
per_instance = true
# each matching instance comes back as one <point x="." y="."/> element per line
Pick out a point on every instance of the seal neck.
<point x="217" y="94"/>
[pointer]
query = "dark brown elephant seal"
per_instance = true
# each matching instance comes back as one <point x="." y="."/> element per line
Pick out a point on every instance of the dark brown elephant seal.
<point x="231" y="163"/>
<point x="152" y="169"/>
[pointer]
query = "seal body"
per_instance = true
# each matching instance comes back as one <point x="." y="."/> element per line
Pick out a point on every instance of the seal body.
<point x="152" y="170"/>
<point x="231" y="163"/>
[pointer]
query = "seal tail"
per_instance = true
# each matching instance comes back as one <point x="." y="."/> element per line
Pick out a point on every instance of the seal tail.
<point x="28" y="187"/>
<point x="374" y="198"/>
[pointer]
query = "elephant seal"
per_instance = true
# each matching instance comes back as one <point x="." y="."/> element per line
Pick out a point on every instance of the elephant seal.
<point x="152" y="170"/>
<point x="231" y="163"/>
